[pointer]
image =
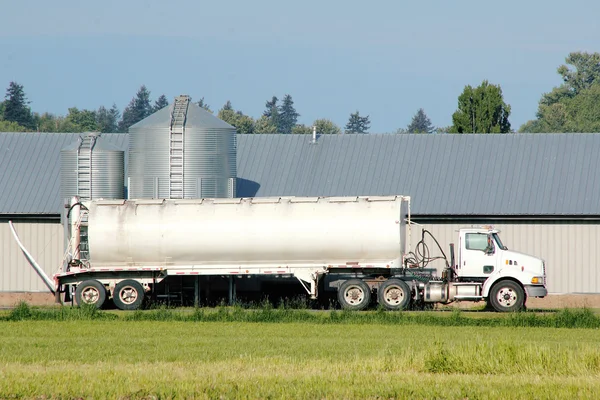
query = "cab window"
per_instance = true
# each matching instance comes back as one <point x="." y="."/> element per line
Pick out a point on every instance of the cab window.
<point x="476" y="241"/>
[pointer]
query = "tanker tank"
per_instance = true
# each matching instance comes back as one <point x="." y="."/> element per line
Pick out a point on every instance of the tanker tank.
<point x="237" y="232"/>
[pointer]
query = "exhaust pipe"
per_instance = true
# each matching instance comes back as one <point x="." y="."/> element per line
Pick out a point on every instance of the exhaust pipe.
<point x="49" y="282"/>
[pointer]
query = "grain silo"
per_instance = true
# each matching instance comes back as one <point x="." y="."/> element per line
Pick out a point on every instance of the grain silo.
<point x="91" y="169"/>
<point x="181" y="152"/>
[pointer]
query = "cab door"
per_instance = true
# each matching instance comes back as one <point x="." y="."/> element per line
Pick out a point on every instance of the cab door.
<point x="478" y="255"/>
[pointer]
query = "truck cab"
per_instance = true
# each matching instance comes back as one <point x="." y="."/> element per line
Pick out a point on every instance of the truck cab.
<point x="507" y="277"/>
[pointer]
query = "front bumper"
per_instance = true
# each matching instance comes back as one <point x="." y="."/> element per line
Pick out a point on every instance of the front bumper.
<point x="536" y="291"/>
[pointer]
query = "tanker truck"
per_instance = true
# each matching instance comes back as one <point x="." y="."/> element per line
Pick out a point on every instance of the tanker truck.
<point x="356" y="246"/>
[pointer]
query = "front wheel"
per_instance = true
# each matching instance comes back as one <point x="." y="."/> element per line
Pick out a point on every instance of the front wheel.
<point x="128" y="295"/>
<point x="354" y="294"/>
<point x="394" y="294"/>
<point x="507" y="296"/>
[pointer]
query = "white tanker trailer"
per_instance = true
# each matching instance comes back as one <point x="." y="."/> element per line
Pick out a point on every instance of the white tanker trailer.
<point x="359" y="246"/>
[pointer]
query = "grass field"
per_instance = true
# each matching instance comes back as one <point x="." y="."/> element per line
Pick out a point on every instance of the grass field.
<point x="297" y="354"/>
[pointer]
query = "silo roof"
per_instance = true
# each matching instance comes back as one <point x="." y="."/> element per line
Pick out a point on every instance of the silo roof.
<point x="100" y="145"/>
<point x="197" y="118"/>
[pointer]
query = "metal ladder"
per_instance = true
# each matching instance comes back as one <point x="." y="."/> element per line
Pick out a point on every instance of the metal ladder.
<point x="84" y="185"/>
<point x="176" y="145"/>
<point x="84" y="166"/>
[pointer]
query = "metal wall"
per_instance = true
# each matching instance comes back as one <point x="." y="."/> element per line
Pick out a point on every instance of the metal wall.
<point x="570" y="248"/>
<point x="44" y="240"/>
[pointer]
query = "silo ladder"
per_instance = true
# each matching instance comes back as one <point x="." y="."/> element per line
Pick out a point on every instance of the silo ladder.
<point x="176" y="141"/>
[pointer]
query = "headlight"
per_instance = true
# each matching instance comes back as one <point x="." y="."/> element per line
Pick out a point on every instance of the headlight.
<point x="537" y="280"/>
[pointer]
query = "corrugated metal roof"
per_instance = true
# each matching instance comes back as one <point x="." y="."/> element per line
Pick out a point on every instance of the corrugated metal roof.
<point x="515" y="174"/>
<point x="30" y="170"/>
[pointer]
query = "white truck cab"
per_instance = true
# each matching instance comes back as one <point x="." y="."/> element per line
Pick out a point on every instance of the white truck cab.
<point x="507" y="276"/>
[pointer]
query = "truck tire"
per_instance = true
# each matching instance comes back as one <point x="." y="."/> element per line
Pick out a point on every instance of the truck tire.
<point x="128" y="295"/>
<point x="354" y="294"/>
<point x="90" y="292"/>
<point x="394" y="294"/>
<point x="507" y="296"/>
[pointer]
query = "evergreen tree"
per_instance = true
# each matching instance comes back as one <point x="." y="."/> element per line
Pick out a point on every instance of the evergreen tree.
<point x="227" y="106"/>
<point x="138" y="108"/>
<point x="357" y="124"/>
<point x="272" y="112"/>
<point x="160" y="103"/>
<point x="420" y="123"/>
<point x="107" y="120"/>
<point x="202" y="104"/>
<point x="271" y="105"/>
<point x="287" y="115"/>
<point x="16" y="107"/>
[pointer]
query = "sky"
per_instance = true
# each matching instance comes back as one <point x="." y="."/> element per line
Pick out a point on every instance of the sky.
<point x="385" y="59"/>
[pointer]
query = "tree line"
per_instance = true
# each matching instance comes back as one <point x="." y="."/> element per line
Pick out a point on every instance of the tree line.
<point x="574" y="106"/>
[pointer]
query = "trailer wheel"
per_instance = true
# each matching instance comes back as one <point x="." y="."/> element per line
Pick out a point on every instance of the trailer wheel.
<point x="507" y="296"/>
<point x="90" y="292"/>
<point x="394" y="294"/>
<point x="354" y="294"/>
<point x="128" y="295"/>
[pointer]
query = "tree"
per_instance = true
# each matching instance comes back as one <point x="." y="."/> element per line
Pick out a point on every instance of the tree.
<point x="287" y="115"/>
<point x="271" y="105"/>
<point x="326" y="127"/>
<point x="227" y="106"/>
<point x="586" y="71"/>
<point x="15" y="107"/>
<point x="301" y="129"/>
<point x="202" y="104"/>
<point x="573" y="106"/>
<point x="107" y="120"/>
<point x="420" y="123"/>
<point x="10" y="126"/>
<point x="272" y="111"/>
<point x="160" y="103"/>
<point x="264" y="125"/>
<point x="242" y="123"/>
<point x="138" y="108"/>
<point x="357" y="124"/>
<point x="481" y="110"/>
<point x="81" y="120"/>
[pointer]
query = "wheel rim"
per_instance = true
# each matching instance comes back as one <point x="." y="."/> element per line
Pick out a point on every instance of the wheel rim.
<point x="128" y="295"/>
<point x="354" y="295"/>
<point x="90" y="295"/>
<point x="507" y="297"/>
<point x="393" y="295"/>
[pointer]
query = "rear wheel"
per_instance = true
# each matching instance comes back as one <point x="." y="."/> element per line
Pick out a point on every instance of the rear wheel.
<point x="507" y="296"/>
<point x="394" y="294"/>
<point x="354" y="295"/>
<point x="128" y="295"/>
<point x="90" y="292"/>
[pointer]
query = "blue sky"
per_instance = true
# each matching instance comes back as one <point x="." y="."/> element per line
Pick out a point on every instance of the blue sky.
<point x="386" y="59"/>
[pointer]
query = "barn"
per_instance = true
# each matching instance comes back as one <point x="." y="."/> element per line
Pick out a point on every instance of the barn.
<point x="541" y="190"/>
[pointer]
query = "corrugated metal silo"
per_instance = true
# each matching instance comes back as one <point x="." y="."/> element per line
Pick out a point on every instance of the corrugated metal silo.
<point x="182" y="152"/>
<point x="92" y="169"/>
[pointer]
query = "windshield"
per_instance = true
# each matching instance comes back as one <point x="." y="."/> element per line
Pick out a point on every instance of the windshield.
<point x="497" y="239"/>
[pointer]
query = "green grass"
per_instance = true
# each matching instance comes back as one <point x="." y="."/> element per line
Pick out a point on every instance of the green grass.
<point x="280" y="353"/>
<point x="565" y="318"/>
